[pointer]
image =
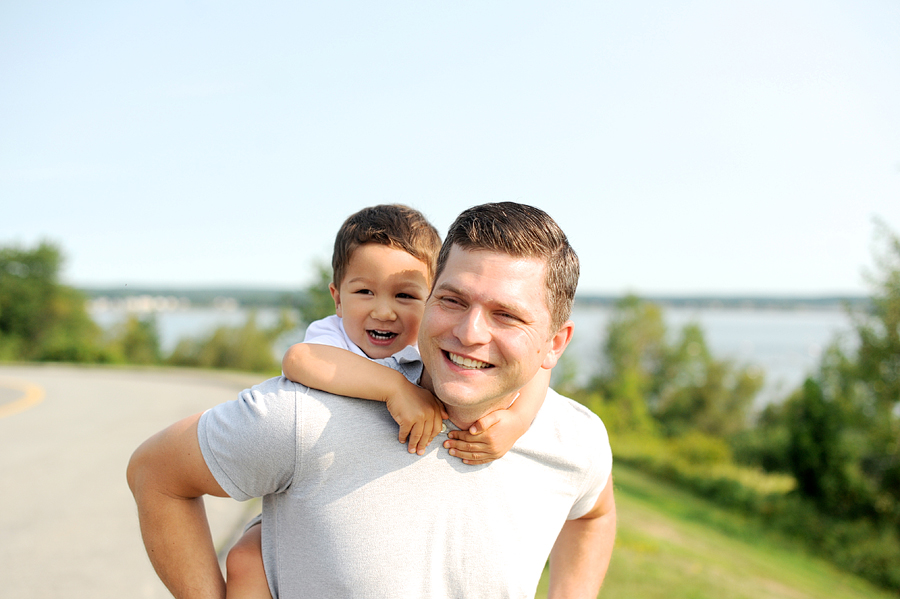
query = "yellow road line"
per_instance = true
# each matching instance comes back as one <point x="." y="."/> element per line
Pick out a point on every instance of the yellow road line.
<point x="33" y="395"/>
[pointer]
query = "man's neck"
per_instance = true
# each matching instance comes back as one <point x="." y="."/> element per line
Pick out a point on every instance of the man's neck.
<point x="465" y="417"/>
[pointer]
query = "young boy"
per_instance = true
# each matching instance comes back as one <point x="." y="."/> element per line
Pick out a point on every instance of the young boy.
<point x="384" y="259"/>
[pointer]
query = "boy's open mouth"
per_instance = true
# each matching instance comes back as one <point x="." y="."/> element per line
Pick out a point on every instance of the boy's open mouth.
<point x="381" y="335"/>
<point x="467" y="363"/>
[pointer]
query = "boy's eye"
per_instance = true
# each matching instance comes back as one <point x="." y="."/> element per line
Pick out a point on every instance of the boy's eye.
<point x="363" y="291"/>
<point x="406" y="296"/>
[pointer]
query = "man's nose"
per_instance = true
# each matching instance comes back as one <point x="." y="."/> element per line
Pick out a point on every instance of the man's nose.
<point x="472" y="328"/>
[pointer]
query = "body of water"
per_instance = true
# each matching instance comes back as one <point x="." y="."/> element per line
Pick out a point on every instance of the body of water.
<point x="176" y="324"/>
<point x="785" y="344"/>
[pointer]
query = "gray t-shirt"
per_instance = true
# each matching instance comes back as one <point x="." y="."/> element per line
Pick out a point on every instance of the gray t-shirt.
<point x="348" y="512"/>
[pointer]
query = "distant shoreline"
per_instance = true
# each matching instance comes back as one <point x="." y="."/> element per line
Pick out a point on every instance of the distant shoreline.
<point x="743" y="302"/>
<point x="269" y="297"/>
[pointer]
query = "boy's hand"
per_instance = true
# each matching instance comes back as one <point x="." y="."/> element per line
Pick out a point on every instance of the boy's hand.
<point x="419" y="414"/>
<point x="488" y="439"/>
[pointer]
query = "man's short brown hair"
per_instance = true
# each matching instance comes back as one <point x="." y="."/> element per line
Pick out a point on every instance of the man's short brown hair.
<point x="394" y="225"/>
<point x="523" y="232"/>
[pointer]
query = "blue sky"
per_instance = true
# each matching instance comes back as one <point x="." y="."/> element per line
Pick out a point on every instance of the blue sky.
<point x="685" y="147"/>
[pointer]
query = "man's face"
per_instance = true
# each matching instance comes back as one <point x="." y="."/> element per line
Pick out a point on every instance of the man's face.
<point x="486" y="329"/>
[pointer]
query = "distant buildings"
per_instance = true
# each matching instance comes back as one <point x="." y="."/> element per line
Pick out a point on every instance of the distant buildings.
<point x="144" y="304"/>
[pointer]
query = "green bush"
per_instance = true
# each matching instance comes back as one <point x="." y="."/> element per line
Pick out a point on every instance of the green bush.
<point x="247" y="348"/>
<point x="698" y="449"/>
<point x="673" y="386"/>
<point x="136" y="341"/>
<point x="701" y="465"/>
<point x="41" y="319"/>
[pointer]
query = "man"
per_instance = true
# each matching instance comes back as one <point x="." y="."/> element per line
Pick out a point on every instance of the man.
<point x="346" y="513"/>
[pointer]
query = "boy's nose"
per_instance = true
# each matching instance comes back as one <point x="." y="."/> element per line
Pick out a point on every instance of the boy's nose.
<point x="382" y="310"/>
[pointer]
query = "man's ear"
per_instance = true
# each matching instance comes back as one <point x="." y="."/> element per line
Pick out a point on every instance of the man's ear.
<point x="558" y="344"/>
<point x="336" y="296"/>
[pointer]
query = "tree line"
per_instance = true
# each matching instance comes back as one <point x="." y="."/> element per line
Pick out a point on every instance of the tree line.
<point x="43" y="320"/>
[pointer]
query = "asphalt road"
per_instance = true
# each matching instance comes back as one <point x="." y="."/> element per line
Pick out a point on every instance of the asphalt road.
<point x="68" y="524"/>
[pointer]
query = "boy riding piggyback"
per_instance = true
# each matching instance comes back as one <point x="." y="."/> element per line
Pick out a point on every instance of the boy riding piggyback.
<point x="383" y="261"/>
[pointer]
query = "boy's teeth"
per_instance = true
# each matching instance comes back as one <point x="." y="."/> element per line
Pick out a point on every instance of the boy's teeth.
<point x="383" y="334"/>
<point x="467" y="362"/>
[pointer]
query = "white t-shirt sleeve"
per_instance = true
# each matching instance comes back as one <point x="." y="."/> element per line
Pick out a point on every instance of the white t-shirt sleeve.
<point x="587" y="438"/>
<point x="250" y="444"/>
<point x="596" y="481"/>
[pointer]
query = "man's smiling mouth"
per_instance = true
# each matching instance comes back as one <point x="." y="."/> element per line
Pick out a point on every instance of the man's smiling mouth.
<point x="467" y="363"/>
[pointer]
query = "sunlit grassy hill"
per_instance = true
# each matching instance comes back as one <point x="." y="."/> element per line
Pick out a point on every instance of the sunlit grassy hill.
<point x="672" y="545"/>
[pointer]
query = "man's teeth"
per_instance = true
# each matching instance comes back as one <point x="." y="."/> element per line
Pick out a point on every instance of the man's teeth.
<point x="467" y="362"/>
<point x="382" y="334"/>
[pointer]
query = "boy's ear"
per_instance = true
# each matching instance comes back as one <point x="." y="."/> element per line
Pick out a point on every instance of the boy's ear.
<point x="558" y="344"/>
<point x="336" y="296"/>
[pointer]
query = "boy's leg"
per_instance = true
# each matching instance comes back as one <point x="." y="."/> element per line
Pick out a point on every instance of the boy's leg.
<point x="245" y="575"/>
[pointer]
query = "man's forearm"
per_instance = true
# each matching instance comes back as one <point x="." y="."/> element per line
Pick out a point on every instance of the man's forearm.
<point x="168" y="478"/>
<point x="179" y="543"/>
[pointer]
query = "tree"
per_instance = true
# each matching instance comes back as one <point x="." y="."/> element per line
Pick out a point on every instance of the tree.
<point x="699" y="393"/>
<point x="679" y="387"/>
<point x="316" y="301"/>
<point x="816" y="454"/>
<point x="874" y="378"/>
<point x="878" y="356"/>
<point x="633" y="350"/>
<point x="136" y="341"/>
<point x="247" y="347"/>
<point x="41" y="319"/>
<point x="840" y="434"/>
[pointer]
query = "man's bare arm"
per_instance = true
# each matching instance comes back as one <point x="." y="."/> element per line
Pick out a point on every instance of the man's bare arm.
<point x="582" y="551"/>
<point x="168" y="478"/>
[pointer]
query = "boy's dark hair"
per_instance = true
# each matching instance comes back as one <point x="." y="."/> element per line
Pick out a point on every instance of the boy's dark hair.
<point x="523" y="232"/>
<point x="394" y="225"/>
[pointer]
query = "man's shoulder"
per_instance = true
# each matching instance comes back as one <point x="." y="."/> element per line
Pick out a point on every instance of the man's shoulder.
<point x="568" y="412"/>
<point x="571" y="438"/>
<point x="280" y="389"/>
<point x="571" y="426"/>
<point x="265" y="399"/>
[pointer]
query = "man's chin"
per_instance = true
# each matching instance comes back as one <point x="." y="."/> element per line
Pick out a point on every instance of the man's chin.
<point x="472" y="402"/>
<point x="456" y="395"/>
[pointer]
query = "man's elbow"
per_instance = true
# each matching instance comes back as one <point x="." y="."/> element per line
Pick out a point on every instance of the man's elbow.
<point x="137" y="468"/>
<point x="148" y="465"/>
<point x="170" y="463"/>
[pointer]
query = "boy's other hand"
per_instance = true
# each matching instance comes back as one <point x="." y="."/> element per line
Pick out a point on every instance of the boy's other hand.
<point x="488" y="439"/>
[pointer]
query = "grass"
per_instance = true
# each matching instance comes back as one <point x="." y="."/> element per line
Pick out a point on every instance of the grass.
<point x="673" y="545"/>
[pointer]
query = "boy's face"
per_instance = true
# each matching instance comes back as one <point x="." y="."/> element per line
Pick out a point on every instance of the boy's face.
<point x="381" y="299"/>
